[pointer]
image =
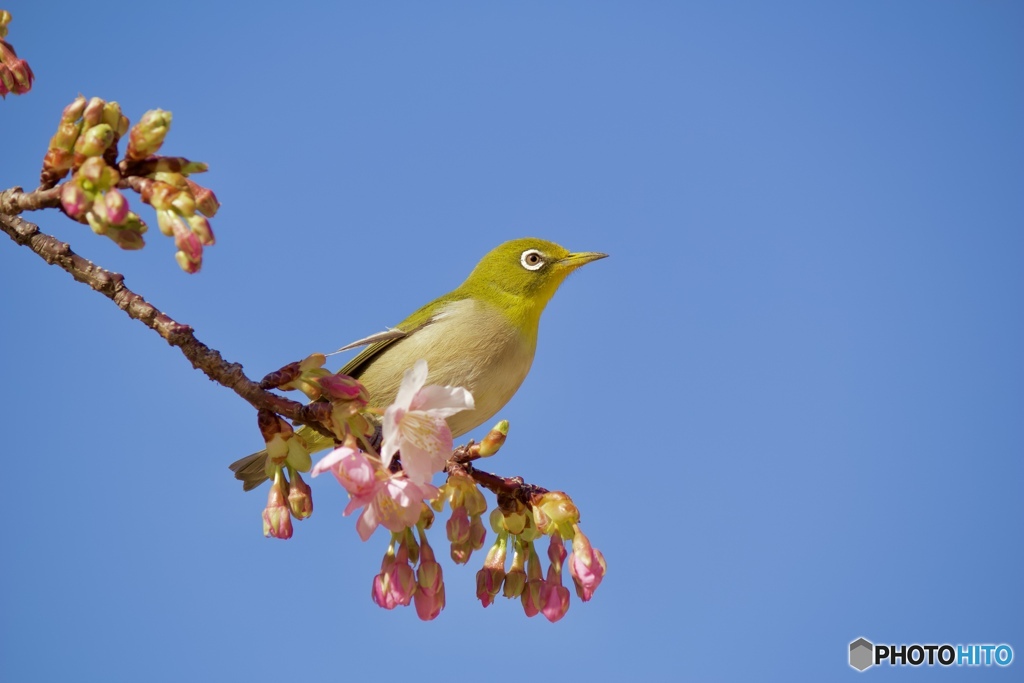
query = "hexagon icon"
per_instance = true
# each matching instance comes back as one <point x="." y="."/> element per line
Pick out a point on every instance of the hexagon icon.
<point x="862" y="654"/>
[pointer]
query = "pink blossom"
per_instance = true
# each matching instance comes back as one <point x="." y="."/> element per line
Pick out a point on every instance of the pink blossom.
<point x="415" y="424"/>
<point x="387" y="499"/>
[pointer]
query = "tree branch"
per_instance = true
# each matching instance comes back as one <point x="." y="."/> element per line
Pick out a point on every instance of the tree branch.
<point x="111" y="285"/>
<point x="14" y="200"/>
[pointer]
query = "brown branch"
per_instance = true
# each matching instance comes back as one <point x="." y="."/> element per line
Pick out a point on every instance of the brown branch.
<point x="15" y="200"/>
<point x="111" y="285"/>
<point x="505" y="488"/>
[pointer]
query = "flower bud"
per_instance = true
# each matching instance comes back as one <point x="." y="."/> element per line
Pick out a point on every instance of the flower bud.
<point x="184" y="204"/>
<point x="73" y="111"/>
<point x="494" y="439"/>
<point x="146" y="136"/>
<point x="586" y="566"/>
<point x="458" y="526"/>
<point x="429" y="576"/>
<point x="74" y="200"/>
<point x="300" y="498"/>
<point x="23" y="77"/>
<point x="111" y="115"/>
<point x="277" y="521"/>
<point x="96" y="175"/>
<point x="532" y="597"/>
<point x="127" y="239"/>
<point x="206" y="200"/>
<point x="94" y="141"/>
<point x="93" y="112"/>
<point x="488" y="583"/>
<point x="186" y="264"/>
<point x="380" y="594"/>
<point x="515" y="583"/>
<point x="554" y="511"/>
<point x="201" y="229"/>
<point x="7" y="82"/>
<point x="116" y="205"/>
<point x="429" y="605"/>
<point x="554" y="601"/>
<point x="97" y="219"/>
<point x="66" y="136"/>
<point x="344" y="388"/>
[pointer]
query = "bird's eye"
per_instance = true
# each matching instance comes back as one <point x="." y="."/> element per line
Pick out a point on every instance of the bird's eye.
<point x="532" y="259"/>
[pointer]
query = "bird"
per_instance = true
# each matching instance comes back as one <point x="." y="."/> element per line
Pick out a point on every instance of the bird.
<point x="481" y="336"/>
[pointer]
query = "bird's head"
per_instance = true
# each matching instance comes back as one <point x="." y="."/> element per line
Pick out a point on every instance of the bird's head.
<point x="528" y="270"/>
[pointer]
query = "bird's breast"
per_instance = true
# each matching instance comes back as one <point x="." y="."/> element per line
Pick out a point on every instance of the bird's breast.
<point x="469" y="344"/>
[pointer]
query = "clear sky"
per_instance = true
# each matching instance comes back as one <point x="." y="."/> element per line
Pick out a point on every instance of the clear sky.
<point x="790" y="405"/>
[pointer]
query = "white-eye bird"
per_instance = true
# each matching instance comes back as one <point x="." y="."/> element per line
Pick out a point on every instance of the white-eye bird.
<point x="481" y="336"/>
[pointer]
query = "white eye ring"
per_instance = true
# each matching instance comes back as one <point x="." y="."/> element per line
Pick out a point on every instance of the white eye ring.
<point x="532" y="259"/>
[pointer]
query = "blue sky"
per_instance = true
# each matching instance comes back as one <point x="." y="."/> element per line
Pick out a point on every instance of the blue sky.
<point x="789" y="405"/>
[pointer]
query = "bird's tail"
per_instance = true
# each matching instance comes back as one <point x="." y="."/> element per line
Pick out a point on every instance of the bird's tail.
<point x="251" y="470"/>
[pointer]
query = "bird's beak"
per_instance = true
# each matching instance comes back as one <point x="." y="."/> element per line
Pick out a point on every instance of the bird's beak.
<point x="574" y="261"/>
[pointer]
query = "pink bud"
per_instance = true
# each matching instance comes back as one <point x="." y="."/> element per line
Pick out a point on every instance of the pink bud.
<point x="74" y="200"/>
<point x="343" y="387"/>
<point x="458" y="526"/>
<point x="300" y="498"/>
<point x="401" y="582"/>
<point x="380" y="594"/>
<point x="93" y="112"/>
<point x="488" y="583"/>
<point x="555" y="601"/>
<point x="515" y="583"/>
<point x="532" y="597"/>
<point x="586" y="566"/>
<point x="206" y="200"/>
<point x="429" y="576"/>
<point x="186" y="264"/>
<point x="277" y="521"/>
<point x="429" y="605"/>
<point x="201" y="229"/>
<point x="7" y="82"/>
<point x="117" y="206"/>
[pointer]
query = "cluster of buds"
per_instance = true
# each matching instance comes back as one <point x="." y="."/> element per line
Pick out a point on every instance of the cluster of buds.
<point x="465" y="527"/>
<point x="399" y="584"/>
<point x="86" y="144"/>
<point x="340" y="401"/>
<point x="15" y="74"/>
<point x="182" y="206"/>
<point x="289" y="497"/>
<point x="519" y="527"/>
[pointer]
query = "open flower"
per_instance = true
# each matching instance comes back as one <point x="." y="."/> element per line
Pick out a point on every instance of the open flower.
<point x="415" y="424"/>
<point x="392" y="500"/>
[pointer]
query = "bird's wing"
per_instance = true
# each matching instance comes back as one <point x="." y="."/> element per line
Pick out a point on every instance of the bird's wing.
<point x="382" y="340"/>
<point x="387" y="335"/>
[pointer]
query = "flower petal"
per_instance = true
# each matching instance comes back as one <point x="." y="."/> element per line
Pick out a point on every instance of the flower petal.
<point x="441" y="401"/>
<point x="391" y="436"/>
<point x="367" y="523"/>
<point x="326" y="463"/>
<point x="412" y="381"/>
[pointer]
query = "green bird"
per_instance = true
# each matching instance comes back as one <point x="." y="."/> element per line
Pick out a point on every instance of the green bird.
<point x="481" y="336"/>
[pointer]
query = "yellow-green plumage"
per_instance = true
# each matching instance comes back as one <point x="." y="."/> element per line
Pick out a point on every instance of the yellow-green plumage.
<point x="481" y="336"/>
